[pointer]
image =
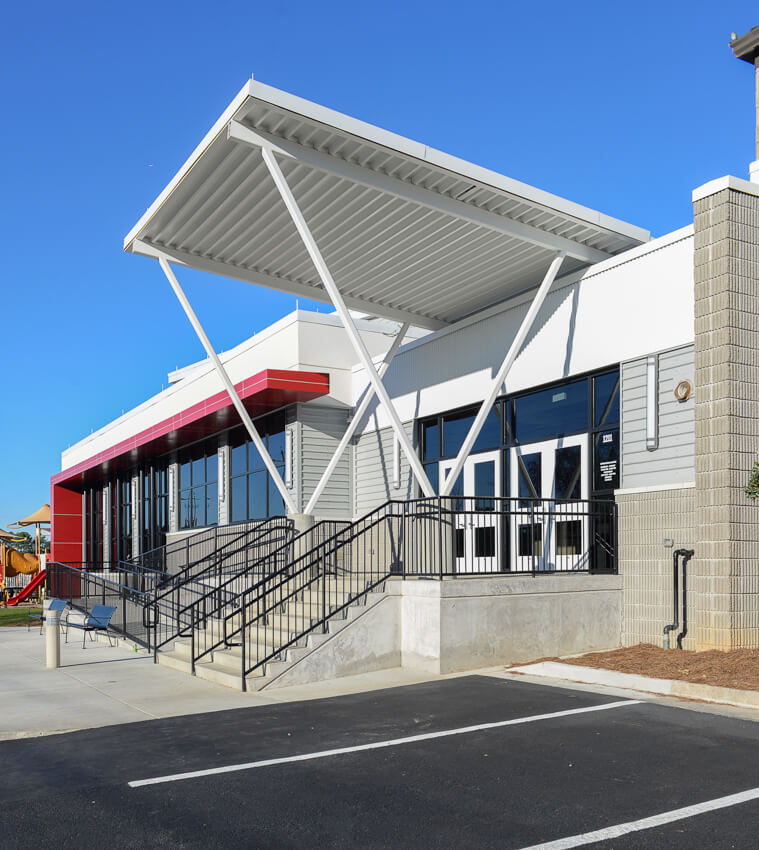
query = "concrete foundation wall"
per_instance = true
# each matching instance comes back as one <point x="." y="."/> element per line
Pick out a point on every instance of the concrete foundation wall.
<point x="646" y="518"/>
<point x="372" y="641"/>
<point x="464" y="624"/>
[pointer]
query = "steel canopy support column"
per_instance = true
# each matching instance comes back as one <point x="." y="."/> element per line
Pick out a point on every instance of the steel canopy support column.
<point x="511" y="356"/>
<point x="353" y="335"/>
<point x="228" y="385"/>
<point x="358" y="415"/>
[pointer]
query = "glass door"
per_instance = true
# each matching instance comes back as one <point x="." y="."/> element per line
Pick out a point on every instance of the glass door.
<point x="549" y="483"/>
<point x="476" y="520"/>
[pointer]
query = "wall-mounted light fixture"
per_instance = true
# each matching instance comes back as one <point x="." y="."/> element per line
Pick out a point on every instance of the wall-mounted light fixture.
<point x="652" y="402"/>
<point x="683" y="390"/>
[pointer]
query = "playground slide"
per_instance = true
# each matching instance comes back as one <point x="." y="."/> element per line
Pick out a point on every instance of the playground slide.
<point x="29" y="589"/>
<point x="20" y="562"/>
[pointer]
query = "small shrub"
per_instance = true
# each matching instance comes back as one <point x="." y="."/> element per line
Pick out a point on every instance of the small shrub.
<point x="752" y="488"/>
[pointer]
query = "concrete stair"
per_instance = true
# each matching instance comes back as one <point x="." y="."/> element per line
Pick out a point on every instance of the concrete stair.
<point x="222" y="665"/>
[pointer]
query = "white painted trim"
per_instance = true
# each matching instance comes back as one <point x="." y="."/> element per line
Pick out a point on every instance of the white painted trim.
<point x="651" y="822"/>
<point x="655" y="488"/>
<point x="726" y="182"/>
<point x="652" y="402"/>
<point x="379" y="745"/>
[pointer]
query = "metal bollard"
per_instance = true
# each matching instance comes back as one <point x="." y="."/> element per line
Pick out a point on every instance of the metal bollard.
<point x="52" y="639"/>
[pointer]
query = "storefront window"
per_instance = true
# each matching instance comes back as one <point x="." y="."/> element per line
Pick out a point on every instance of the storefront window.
<point x="551" y="413"/>
<point x="456" y="426"/>
<point x="606" y="399"/>
<point x="155" y="508"/>
<point x="254" y="493"/>
<point x="198" y="486"/>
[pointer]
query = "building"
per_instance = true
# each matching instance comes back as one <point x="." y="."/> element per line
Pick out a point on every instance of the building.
<point x="517" y="386"/>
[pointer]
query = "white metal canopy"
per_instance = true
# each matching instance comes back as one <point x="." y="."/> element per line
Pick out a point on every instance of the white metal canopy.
<point x="410" y="233"/>
<point x="290" y="195"/>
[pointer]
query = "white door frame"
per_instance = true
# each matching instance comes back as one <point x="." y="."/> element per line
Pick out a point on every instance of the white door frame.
<point x="472" y="519"/>
<point x="545" y="512"/>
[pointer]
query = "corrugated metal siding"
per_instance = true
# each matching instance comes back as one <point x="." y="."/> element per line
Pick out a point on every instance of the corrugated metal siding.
<point x="373" y="470"/>
<point x="317" y="435"/>
<point x="673" y="461"/>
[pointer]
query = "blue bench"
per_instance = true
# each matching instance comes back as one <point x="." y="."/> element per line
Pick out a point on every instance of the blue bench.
<point x="98" y="620"/>
<point x="56" y="605"/>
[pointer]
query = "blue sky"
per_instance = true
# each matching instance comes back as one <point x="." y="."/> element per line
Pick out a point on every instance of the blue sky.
<point x="622" y="107"/>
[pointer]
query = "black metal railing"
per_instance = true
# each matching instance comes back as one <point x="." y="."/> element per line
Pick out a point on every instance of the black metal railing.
<point x="197" y="549"/>
<point x="83" y="585"/>
<point x="264" y="589"/>
<point x="237" y="557"/>
<point x="298" y="588"/>
<point x="170" y="620"/>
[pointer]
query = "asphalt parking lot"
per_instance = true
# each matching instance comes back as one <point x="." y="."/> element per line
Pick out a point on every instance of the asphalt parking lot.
<point x="475" y="761"/>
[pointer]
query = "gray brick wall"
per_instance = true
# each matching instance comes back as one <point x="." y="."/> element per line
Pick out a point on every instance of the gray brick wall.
<point x="726" y="572"/>
<point x="645" y="564"/>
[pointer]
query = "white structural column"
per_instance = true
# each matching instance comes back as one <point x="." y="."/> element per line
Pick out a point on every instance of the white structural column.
<point x="337" y="300"/>
<point x="357" y="417"/>
<point x="228" y="385"/>
<point x="511" y="356"/>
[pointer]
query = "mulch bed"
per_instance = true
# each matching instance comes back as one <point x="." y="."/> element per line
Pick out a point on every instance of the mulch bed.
<point x="737" y="668"/>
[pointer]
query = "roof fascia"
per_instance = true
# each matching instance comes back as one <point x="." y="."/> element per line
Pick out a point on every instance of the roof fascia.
<point x="376" y="135"/>
<point x="386" y="138"/>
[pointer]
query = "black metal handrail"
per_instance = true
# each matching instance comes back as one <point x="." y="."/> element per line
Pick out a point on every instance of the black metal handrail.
<point x="438" y="537"/>
<point x="278" y="592"/>
<point x="214" y="602"/>
<point x="170" y="603"/>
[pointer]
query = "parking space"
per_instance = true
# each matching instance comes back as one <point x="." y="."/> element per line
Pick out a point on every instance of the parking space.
<point x="475" y="761"/>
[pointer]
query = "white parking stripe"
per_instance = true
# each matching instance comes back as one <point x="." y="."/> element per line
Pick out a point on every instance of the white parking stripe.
<point x="648" y="823"/>
<point x="377" y="745"/>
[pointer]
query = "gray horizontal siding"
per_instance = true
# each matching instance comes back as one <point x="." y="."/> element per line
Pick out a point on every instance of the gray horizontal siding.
<point x="319" y="430"/>
<point x="373" y="470"/>
<point x="673" y="461"/>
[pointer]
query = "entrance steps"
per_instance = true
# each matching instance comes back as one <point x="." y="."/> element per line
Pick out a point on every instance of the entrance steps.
<point x="223" y="664"/>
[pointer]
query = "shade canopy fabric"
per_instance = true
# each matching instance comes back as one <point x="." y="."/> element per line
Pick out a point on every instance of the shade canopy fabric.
<point x="10" y="538"/>
<point x="409" y="233"/>
<point x="40" y="516"/>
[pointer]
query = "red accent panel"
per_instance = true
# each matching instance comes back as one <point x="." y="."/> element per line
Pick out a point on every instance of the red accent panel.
<point x="268" y="390"/>
<point x="65" y="524"/>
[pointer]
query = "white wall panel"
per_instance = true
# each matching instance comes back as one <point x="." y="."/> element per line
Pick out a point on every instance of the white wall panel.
<point x="616" y="311"/>
<point x="319" y="432"/>
<point x="673" y="461"/>
<point x="303" y="340"/>
<point x="373" y="470"/>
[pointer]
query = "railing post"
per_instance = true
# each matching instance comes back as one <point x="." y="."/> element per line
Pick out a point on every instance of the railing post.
<point x="532" y="534"/>
<point x="192" y="640"/>
<point x="440" y="534"/>
<point x="243" y="645"/>
<point x="320" y="561"/>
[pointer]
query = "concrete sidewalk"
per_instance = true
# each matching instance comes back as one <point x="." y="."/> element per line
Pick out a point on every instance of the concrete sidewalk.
<point x="103" y="685"/>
